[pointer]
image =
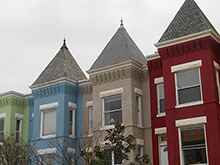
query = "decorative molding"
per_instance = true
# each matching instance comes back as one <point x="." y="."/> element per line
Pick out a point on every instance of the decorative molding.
<point x="89" y="103"/>
<point x="155" y="64"/>
<point x="185" y="66"/>
<point x="159" y="131"/>
<point x="111" y="92"/>
<point x="153" y="56"/>
<point x="138" y="91"/>
<point x="158" y="80"/>
<point x="188" y="47"/>
<point x="48" y="106"/>
<point x="54" y="90"/>
<point x="13" y="101"/>
<point x="191" y="121"/>
<point x="206" y="33"/>
<point x="46" y="151"/>
<point x="72" y="105"/>
<point x="19" y="116"/>
<point x="2" y="115"/>
<point x="140" y="142"/>
<point x="87" y="89"/>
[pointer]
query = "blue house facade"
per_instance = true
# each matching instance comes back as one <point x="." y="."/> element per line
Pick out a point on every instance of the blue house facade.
<point x="56" y="110"/>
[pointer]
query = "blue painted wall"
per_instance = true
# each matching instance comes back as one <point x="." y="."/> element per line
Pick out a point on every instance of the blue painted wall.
<point x="61" y="93"/>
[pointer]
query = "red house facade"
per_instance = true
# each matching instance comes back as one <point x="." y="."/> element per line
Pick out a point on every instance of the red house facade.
<point x="184" y="79"/>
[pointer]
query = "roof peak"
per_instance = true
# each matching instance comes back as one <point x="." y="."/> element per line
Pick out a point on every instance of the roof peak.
<point x="189" y="20"/>
<point x="64" y="44"/>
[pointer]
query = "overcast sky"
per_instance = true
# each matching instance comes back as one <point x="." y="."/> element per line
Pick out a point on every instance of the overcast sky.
<point x="32" y="31"/>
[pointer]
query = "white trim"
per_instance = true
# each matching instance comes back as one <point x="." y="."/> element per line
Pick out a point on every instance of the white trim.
<point x="48" y="106"/>
<point x="89" y="149"/>
<point x="158" y="80"/>
<point x="161" y="114"/>
<point x="2" y="115"/>
<point x="19" y="116"/>
<point x="111" y="92"/>
<point x="89" y="104"/>
<point x="162" y="130"/>
<point x="71" y="150"/>
<point x="46" y="151"/>
<point x="189" y="104"/>
<point x="32" y="115"/>
<point x="140" y="142"/>
<point x="216" y="65"/>
<point x="187" y="38"/>
<point x="72" y="105"/>
<point x="191" y="121"/>
<point x="153" y="56"/>
<point x="138" y="91"/>
<point x="185" y="66"/>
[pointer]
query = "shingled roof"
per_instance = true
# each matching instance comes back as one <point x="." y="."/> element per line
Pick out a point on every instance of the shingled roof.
<point x="189" y="20"/>
<point x="120" y="48"/>
<point x="63" y="65"/>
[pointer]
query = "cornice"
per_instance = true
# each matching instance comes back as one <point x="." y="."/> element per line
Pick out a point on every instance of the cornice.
<point x="54" y="90"/>
<point x="155" y="64"/>
<point x="54" y="82"/>
<point x="153" y="56"/>
<point x="189" y="47"/>
<point x="117" y="66"/>
<point x="15" y="94"/>
<point x="187" y="38"/>
<point x="13" y="101"/>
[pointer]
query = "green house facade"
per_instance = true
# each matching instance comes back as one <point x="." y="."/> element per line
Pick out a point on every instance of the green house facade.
<point x="14" y="112"/>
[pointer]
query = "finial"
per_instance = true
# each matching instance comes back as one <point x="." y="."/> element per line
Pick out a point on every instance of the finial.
<point x="64" y="44"/>
<point x="122" y="24"/>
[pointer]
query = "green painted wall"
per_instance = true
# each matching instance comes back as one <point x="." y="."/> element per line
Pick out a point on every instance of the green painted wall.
<point x="11" y="105"/>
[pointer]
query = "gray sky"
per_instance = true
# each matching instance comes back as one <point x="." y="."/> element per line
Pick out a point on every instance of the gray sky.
<point x="32" y="31"/>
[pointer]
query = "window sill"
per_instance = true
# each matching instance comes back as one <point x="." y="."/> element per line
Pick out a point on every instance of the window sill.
<point x="72" y="136"/>
<point x="161" y="115"/>
<point x="140" y="126"/>
<point x="108" y="127"/>
<point x="189" y="104"/>
<point x="90" y="135"/>
<point x="47" y="137"/>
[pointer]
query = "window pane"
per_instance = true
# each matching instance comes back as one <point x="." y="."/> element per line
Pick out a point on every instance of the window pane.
<point x="49" y="123"/>
<point x="113" y="103"/>
<point x="18" y="125"/>
<point x="189" y="95"/>
<point x="48" y="159"/>
<point x="90" y="120"/>
<point x="71" y="116"/>
<point x="188" y="79"/>
<point x="160" y="91"/>
<point x="112" y="117"/>
<point x="117" y="159"/>
<point x="162" y="105"/>
<point x="2" y="125"/>
<point x="193" y="145"/>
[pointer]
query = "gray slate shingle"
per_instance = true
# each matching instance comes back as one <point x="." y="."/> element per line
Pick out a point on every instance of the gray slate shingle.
<point x="189" y="20"/>
<point x="62" y="65"/>
<point x="120" y="48"/>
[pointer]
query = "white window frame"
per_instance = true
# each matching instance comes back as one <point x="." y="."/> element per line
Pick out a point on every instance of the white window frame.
<point x="159" y="81"/>
<point x="47" y="108"/>
<point x="185" y="68"/>
<point x="90" y="108"/>
<point x="72" y="107"/>
<point x="2" y="117"/>
<point x="138" y="109"/>
<point x="43" y="152"/>
<point x="18" y="117"/>
<point x="190" y="123"/>
<point x="217" y="68"/>
<point x="103" y="108"/>
<point x="113" y="158"/>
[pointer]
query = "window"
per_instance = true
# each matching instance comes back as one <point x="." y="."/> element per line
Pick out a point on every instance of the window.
<point x="160" y="99"/>
<point x="90" y="120"/>
<point x="1" y="129"/>
<point x="18" y="130"/>
<point x="112" y="110"/>
<point x="138" y="103"/>
<point x="71" y="122"/>
<point x="163" y="151"/>
<point x="114" y="160"/>
<point x="48" y="120"/>
<point x="193" y="145"/>
<point x="141" y="150"/>
<point x="47" y="159"/>
<point x="217" y="83"/>
<point x="188" y="86"/>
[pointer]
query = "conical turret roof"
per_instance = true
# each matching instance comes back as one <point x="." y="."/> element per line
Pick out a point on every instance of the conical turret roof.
<point x="120" y="48"/>
<point x="63" y="65"/>
<point x="189" y="20"/>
